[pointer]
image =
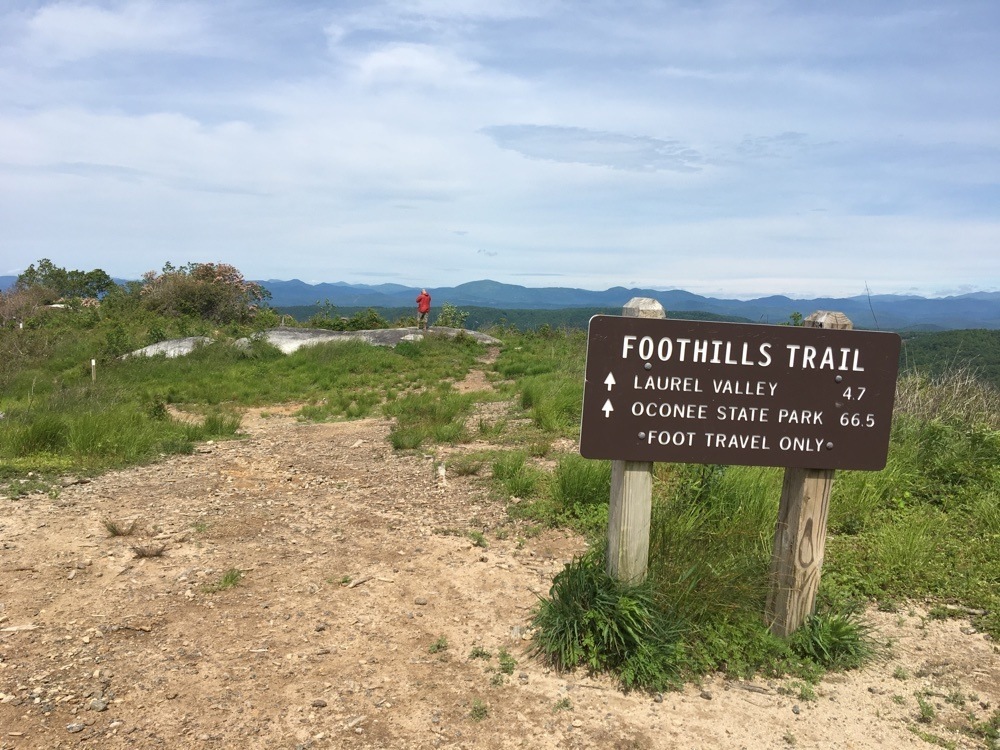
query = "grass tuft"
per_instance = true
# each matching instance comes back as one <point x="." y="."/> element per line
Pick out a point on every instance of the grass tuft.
<point x="594" y="621"/>
<point x="118" y="529"/>
<point x="149" y="550"/>
<point x="228" y="580"/>
<point x="836" y="640"/>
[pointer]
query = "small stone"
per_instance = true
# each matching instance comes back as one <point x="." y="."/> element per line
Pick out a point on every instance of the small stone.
<point x="706" y="695"/>
<point x="420" y="601"/>
<point x="577" y="723"/>
<point x="658" y="698"/>
<point x="319" y="703"/>
<point x="795" y="710"/>
<point x="74" y="727"/>
<point x="98" y="705"/>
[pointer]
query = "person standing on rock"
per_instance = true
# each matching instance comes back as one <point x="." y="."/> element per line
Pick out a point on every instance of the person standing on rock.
<point x="423" y="309"/>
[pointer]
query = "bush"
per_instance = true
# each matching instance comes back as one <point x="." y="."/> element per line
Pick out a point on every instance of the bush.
<point x="451" y="317"/>
<point x="208" y="291"/>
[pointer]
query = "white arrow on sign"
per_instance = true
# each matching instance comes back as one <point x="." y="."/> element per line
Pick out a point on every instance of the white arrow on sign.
<point x="607" y="408"/>
<point x="610" y="380"/>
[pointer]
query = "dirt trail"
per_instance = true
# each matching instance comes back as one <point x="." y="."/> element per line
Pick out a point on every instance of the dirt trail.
<point x="361" y="605"/>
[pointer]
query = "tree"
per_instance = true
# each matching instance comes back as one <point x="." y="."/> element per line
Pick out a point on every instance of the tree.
<point x="62" y="284"/>
<point x="213" y="291"/>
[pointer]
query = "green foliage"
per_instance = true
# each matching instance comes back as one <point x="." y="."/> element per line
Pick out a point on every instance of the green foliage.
<point x="326" y="317"/>
<point x="438" y="646"/>
<point x="988" y="730"/>
<point x="506" y="663"/>
<point x="450" y="316"/>
<point x="478" y="652"/>
<point x="514" y="476"/>
<point x="60" y="283"/>
<point x="437" y="416"/>
<point x="228" y="580"/>
<point x="479" y="710"/>
<point x="835" y="640"/>
<point x="927" y="712"/>
<point x="933" y="355"/>
<point x="926" y="527"/>
<point x="595" y="621"/>
<point x="710" y="538"/>
<point x="210" y="291"/>
<point x="94" y="427"/>
<point x="116" y="342"/>
<point x="580" y="492"/>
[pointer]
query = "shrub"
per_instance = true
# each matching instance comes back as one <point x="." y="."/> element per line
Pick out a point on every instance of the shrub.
<point x="451" y="317"/>
<point x="209" y="291"/>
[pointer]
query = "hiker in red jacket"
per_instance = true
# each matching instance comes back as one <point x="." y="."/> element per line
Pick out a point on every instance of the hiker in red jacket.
<point x="423" y="309"/>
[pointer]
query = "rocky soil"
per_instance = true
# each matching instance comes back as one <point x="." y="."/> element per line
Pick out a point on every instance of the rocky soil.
<point x="365" y="616"/>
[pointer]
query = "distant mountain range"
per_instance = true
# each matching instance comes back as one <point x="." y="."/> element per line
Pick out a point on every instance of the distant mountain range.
<point x="885" y="311"/>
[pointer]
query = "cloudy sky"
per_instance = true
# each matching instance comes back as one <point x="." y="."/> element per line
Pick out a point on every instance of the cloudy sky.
<point x="733" y="149"/>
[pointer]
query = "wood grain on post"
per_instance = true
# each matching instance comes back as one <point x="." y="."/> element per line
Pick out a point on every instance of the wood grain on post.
<point x="631" y="492"/>
<point x="800" y="534"/>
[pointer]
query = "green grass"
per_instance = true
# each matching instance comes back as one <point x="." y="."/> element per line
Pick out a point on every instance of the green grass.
<point x="591" y="620"/>
<point x="580" y="490"/>
<point x="441" y="644"/>
<point x="513" y="476"/>
<point x="479" y="710"/>
<point x="229" y="579"/>
<point x="57" y="420"/>
<point x="89" y="429"/>
<point x="435" y="416"/>
<point x="836" y="640"/>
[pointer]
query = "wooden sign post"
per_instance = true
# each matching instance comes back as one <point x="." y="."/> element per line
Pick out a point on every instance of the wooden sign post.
<point x="631" y="492"/>
<point x="800" y="534"/>
<point x="808" y="399"/>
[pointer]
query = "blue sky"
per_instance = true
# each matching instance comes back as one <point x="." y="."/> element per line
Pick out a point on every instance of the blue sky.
<point x="733" y="149"/>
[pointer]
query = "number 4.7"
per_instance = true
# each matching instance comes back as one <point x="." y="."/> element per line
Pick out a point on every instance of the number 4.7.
<point x="855" y="394"/>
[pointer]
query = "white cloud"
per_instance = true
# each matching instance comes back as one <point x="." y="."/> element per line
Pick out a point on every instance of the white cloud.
<point x="415" y="64"/>
<point x="69" y="31"/>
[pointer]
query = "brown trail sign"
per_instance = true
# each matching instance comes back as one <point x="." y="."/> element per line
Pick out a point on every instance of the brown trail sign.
<point x="729" y="393"/>
<point x="811" y="399"/>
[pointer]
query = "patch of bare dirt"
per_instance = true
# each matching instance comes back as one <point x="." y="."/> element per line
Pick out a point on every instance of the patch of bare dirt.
<point x="361" y="606"/>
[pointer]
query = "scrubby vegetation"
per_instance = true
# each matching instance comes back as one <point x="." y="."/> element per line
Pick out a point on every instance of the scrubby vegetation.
<point x="926" y="528"/>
